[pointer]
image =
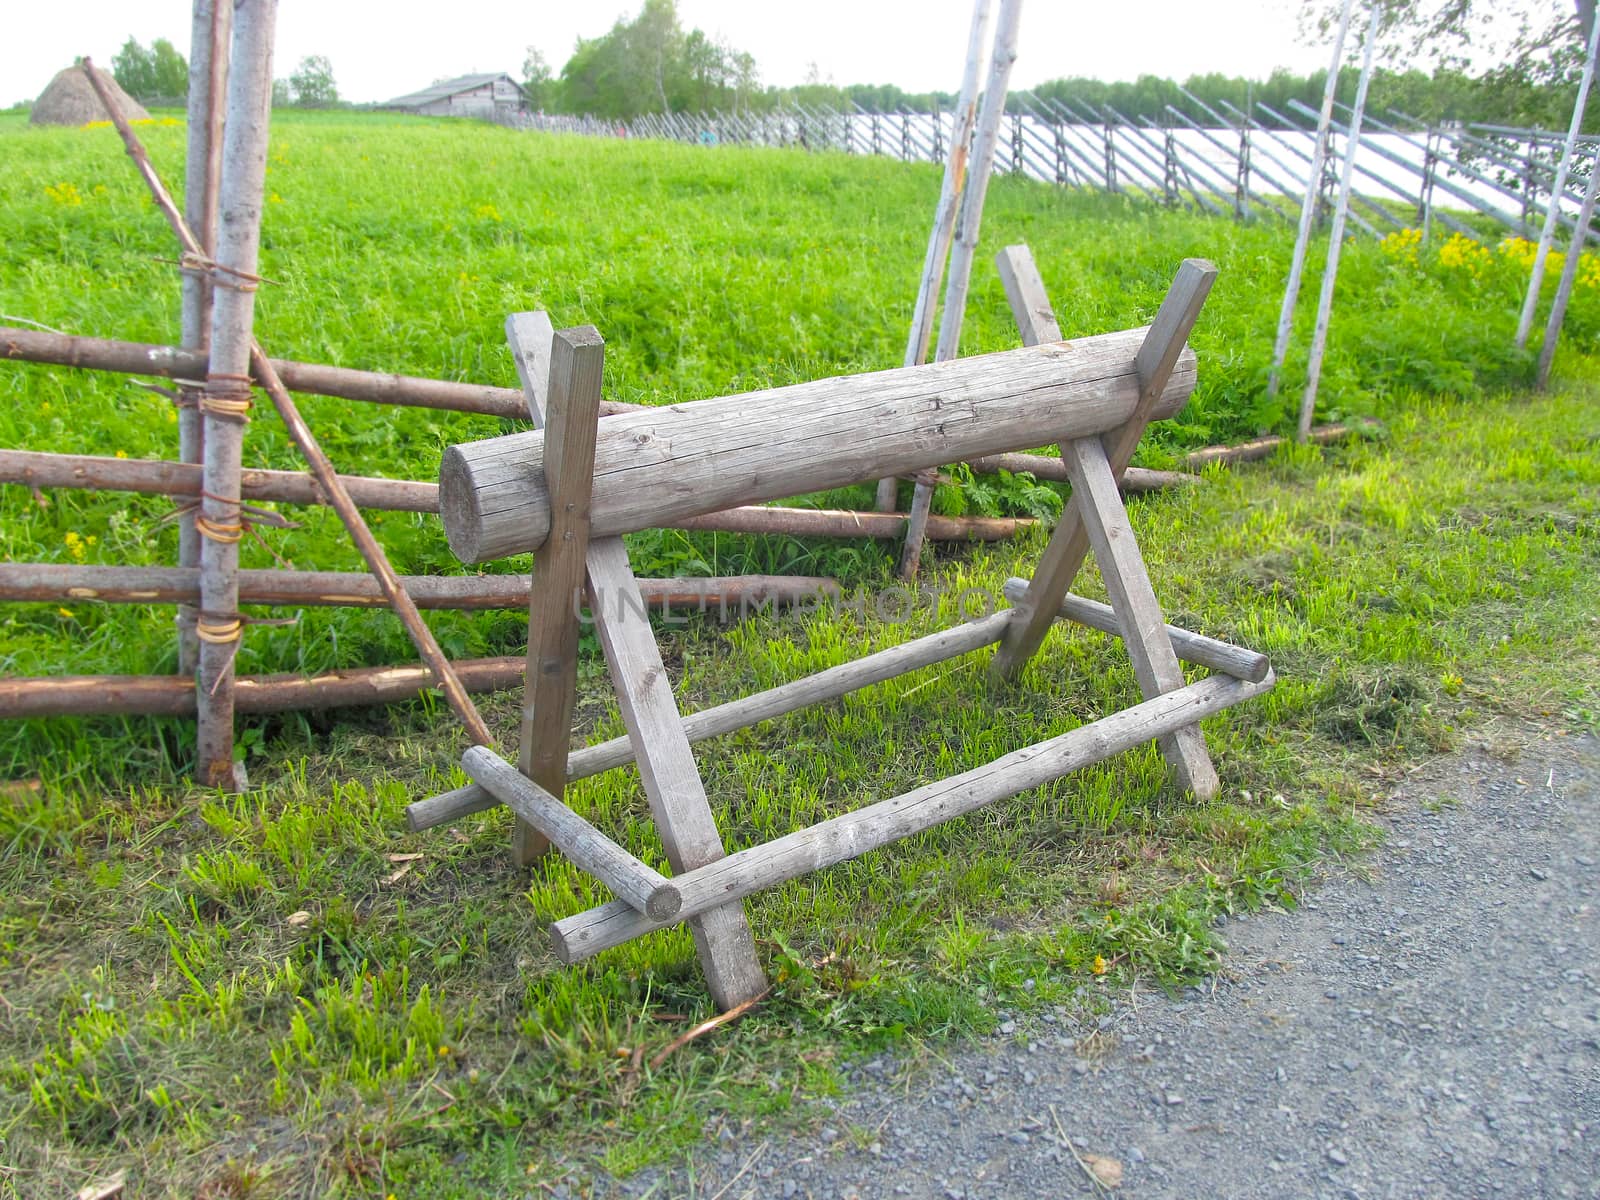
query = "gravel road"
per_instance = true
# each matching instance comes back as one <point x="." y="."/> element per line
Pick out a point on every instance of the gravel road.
<point x="1426" y="1025"/>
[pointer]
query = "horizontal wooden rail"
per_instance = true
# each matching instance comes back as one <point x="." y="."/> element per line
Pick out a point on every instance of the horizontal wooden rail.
<point x="42" y="469"/>
<point x="634" y="882"/>
<point x="173" y="695"/>
<point x="67" y="583"/>
<point x="1193" y="648"/>
<point x="828" y="684"/>
<point x="1265" y="447"/>
<point x="663" y="465"/>
<point x="1043" y="466"/>
<point x="315" y="379"/>
<point x="852" y="834"/>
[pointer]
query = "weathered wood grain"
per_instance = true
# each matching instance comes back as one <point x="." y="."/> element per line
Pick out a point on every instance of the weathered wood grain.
<point x="944" y="214"/>
<point x="211" y="30"/>
<point x="576" y="360"/>
<point x="658" y="467"/>
<point x="634" y="882"/>
<point x="312" y="379"/>
<point x="42" y="469"/>
<point x="1133" y="600"/>
<point x="849" y="836"/>
<point x="965" y="246"/>
<point x="67" y="583"/>
<point x="174" y="696"/>
<point x="244" y="167"/>
<point x="671" y="780"/>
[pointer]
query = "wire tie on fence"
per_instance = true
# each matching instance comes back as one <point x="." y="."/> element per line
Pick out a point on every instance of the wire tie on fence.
<point x="227" y="533"/>
<point x="231" y="401"/>
<point x="218" y="632"/>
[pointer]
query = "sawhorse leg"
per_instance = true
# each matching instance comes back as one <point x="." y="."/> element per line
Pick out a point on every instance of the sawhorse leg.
<point x="1122" y="567"/>
<point x="666" y="763"/>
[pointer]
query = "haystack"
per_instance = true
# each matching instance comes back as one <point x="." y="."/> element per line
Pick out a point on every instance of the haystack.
<point x="70" y="100"/>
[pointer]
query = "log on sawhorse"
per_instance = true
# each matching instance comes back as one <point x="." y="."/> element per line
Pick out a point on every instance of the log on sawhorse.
<point x="568" y="493"/>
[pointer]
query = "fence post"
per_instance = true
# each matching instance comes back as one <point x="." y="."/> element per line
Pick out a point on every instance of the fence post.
<point x="1569" y="273"/>
<point x="1308" y="207"/>
<point x="1557" y="190"/>
<point x="210" y="34"/>
<point x="1330" y="274"/>
<point x="1430" y="163"/>
<point x="1241" y="201"/>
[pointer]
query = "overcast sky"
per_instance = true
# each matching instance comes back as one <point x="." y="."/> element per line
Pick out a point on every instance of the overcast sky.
<point x="381" y="50"/>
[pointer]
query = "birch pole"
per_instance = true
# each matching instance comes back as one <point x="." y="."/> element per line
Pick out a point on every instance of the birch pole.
<point x="944" y="217"/>
<point x="1569" y="274"/>
<point x="225" y="403"/>
<point x="210" y="32"/>
<point x="1308" y="206"/>
<point x="1552" y="214"/>
<point x="965" y="248"/>
<point x="1341" y="209"/>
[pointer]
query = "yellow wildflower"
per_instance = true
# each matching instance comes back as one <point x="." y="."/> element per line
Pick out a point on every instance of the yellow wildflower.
<point x="1098" y="966"/>
<point x="122" y="454"/>
<point x="64" y="193"/>
<point x="1402" y="245"/>
<point x="66" y="613"/>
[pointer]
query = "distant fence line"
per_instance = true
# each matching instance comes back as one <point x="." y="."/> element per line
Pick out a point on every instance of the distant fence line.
<point x="1229" y="162"/>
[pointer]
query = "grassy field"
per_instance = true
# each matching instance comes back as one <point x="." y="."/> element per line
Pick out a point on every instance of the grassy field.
<point x="238" y="994"/>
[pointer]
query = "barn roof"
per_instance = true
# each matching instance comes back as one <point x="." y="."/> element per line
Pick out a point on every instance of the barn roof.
<point x="446" y="88"/>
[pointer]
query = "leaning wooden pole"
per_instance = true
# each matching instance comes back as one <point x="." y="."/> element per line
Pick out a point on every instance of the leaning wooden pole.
<point x="1530" y="303"/>
<point x="321" y="468"/>
<point x="965" y="248"/>
<point x="1569" y="275"/>
<point x="1308" y="205"/>
<point x="944" y="216"/>
<point x="210" y="33"/>
<point x="1330" y="273"/>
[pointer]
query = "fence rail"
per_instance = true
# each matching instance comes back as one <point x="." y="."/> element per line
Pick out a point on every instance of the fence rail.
<point x="1219" y="160"/>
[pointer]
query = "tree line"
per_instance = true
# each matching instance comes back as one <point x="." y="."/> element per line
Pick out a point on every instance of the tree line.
<point x="159" y="74"/>
<point x="652" y="64"/>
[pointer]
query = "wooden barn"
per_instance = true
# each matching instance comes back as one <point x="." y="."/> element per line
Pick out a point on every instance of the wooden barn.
<point x="491" y="97"/>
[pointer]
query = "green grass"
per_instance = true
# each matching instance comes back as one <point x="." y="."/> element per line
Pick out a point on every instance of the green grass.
<point x="227" y="993"/>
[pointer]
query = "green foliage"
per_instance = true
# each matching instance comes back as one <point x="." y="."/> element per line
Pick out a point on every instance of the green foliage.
<point x="649" y="64"/>
<point x="537" y="81"/>
<point x="159" y="73"/>
<point x="312" y="84"/>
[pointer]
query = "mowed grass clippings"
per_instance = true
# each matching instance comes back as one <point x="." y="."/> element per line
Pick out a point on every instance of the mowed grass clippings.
<point x="262" y="995"/>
